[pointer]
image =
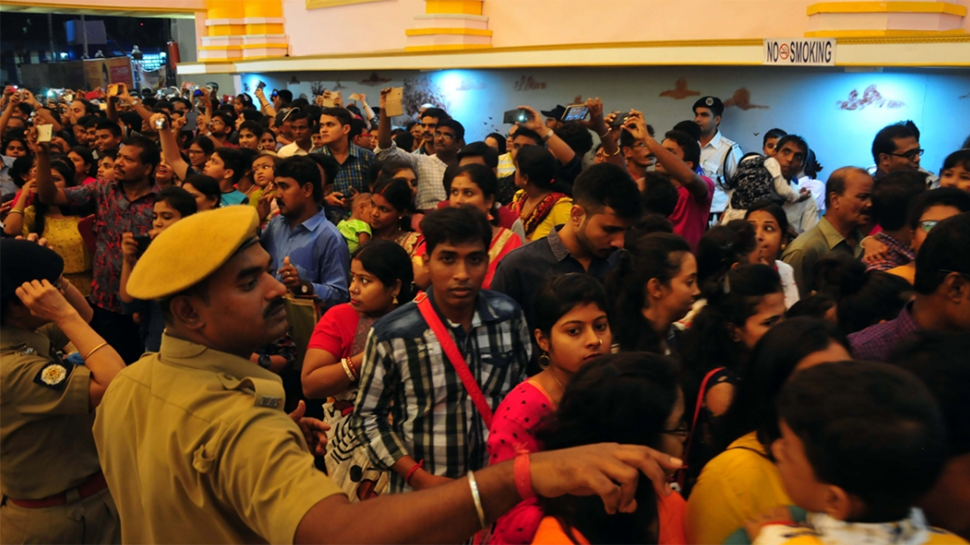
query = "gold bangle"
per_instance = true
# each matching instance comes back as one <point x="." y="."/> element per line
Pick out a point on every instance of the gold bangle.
<point x="602" y="136"/>
<point x="21" y="212"/>
<point x="617" y="152"/>
<point x="95" y="349"/>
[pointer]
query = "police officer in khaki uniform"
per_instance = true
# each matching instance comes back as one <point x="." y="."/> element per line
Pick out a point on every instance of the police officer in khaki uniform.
<point x="196" y="448"/>
<point x="53" y="488"/>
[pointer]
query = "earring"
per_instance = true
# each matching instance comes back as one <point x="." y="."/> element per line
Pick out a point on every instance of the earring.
<point x="395" y="300"/>
<point x="544" y="364"/>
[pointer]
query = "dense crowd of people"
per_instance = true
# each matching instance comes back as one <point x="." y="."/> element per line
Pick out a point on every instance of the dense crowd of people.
<point x="292" y="321"/>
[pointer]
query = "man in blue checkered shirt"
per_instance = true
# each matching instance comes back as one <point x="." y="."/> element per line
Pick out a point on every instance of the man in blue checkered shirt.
<point x="355" y="161"/>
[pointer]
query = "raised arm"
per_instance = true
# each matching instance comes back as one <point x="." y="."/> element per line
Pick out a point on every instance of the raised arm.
<point x="448" y="513"/>
<point x="368" y="112"/>
<point x="557" y="147"/>
<point x="384" y="125"/>
<point x="45" y="301"/>
<point x="40" y="111"/>
<point x="264" y="105"/>
<point x="13" y="224"/>
<point x="170" y="147"/>
<point x="8" y="111"/>
<point x="678" y="170"/>
<point x="47" y="192"/>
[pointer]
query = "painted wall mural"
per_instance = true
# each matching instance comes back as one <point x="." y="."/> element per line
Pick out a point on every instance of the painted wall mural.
<point x="742" y="100"/>
<point x="680" y="90"/>
<point x="802" y="101"/>
<point x="870" y="97"/>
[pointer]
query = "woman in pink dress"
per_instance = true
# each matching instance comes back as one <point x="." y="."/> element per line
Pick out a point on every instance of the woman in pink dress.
<point x="572" y="329"/>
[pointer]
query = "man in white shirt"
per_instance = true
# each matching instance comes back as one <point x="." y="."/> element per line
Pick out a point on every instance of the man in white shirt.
<point x="302" y="129"/>
<point x="719" y="156"/>
<point x="449" y="137"/>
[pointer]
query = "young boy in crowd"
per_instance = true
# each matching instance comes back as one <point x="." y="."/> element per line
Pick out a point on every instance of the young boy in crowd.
<point x="106" y="166"/>
<point x="171" y="205"/>
<point x="355" y="228"/>
<point x="860" y="444"/>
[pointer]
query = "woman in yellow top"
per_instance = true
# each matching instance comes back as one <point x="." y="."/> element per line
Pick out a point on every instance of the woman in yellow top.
<point x="539" y="207"/>
<point x="48" y="222"/>
<point x="742" y="482"/>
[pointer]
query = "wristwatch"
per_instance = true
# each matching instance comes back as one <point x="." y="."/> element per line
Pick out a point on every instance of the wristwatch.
<point x="264" y="361"/>
<point x="305" y="288"/>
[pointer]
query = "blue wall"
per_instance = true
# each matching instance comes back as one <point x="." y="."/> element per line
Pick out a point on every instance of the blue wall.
<point x="812" y="102"/>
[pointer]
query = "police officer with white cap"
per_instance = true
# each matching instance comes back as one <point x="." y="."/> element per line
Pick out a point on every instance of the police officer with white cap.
<point x="719" y="155"/>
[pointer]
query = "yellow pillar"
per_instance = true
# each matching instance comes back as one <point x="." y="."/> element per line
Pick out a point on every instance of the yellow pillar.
<point x="449" y="25"/>
<point x="243" y="29"/>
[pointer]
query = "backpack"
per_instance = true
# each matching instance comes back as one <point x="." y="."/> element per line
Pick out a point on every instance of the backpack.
<point x="752" y="182"/>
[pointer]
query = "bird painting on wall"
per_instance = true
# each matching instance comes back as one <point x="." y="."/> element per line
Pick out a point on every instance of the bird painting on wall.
<point x="742" y="100"/>
<point x="870" y="97"/>
<point x="373" y="80"/>
<point x="680" y="90"/>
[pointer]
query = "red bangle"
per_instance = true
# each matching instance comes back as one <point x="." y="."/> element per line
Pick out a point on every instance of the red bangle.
<point x="523" y="476"/>
<point x="417" y="466"/>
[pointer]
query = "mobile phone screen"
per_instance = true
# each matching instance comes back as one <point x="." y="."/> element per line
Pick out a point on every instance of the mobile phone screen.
<point x="575" y="113"/>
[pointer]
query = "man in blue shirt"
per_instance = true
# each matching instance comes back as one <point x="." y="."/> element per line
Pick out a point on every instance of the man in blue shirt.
<point x="306" y="250"/>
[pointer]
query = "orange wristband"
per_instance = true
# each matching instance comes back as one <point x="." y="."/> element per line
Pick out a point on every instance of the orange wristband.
<point x="523" y="476"/>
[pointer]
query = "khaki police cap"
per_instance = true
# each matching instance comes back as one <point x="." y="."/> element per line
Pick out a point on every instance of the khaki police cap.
<point x="190" y="250"/>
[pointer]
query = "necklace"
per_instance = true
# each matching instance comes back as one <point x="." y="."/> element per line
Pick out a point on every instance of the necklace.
<point x="559" y="382"/>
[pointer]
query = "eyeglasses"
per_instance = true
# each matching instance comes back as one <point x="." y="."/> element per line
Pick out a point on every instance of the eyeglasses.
<point x="948" y="271"/>
<point x="928" y="225"/>
<point x="911" y="154"/>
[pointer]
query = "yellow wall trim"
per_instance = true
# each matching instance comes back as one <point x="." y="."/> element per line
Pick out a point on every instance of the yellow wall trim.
<point x="451" y="48"/>
<point x="869" y="40"/>
<point x="888" y="7"/>
<point x="883" y="33"/>
<point x="314" y="4"/>
<point x="467" y="7"/>
<point x="442" y="30"/>
<point x="265" y="46"/>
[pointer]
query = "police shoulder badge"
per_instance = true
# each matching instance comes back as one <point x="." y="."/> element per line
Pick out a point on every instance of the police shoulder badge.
<point x="54" y="375"/>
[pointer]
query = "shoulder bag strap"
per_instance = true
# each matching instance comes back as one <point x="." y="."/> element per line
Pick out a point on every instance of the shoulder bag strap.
<point x="697" y="412"/>
<point x="454" y="355"/>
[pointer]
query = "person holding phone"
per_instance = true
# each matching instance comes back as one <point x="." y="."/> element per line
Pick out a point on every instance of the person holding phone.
<point x="171" y="205"/>
<point x="49" y="221"/>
